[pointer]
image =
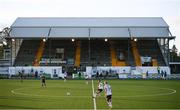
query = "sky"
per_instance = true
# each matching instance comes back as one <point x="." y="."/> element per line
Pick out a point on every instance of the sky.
<point x="168" y="9"/>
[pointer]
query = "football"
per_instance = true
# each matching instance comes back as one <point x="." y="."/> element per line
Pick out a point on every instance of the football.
<point x="68" y="93"/>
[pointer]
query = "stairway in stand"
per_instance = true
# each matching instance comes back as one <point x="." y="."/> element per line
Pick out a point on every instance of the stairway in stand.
<point x="154" y="62"/>
<point x="114" y="60"/>
<point x="78" y="54"/>
<point x="39" y="53"/>
<point x="136" y="53"/>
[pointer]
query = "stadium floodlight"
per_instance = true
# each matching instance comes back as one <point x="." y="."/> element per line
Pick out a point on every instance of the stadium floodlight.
<point x="105" y="40"/>
<point x="135" y="39"/>
<point x="1" y="44"/>
<point x="44" y="40"/>
<point x="72" y="40"/>
<point x="12" y="40"/>
<point x="4" y="42"/>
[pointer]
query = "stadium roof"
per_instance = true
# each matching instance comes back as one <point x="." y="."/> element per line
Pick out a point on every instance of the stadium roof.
<point x="174" y="63"/>
<point x="139" y="27"/>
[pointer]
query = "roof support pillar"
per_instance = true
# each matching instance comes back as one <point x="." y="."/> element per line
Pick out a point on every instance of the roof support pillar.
<point x="129" y="40"/>
<point x="89" y="45"/>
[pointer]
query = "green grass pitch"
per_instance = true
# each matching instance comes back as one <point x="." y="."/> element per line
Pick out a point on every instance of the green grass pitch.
<point x="127" y="94"/>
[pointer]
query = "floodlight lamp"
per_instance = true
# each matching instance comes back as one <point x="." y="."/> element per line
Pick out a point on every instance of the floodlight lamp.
<point x="105" y="40"/>
<point x="135" y="39"/>
<point x="4" y="42"/>
<point x="12" y="40"/>
<point x="72" y="40"/>
<point x="44" y="40"/>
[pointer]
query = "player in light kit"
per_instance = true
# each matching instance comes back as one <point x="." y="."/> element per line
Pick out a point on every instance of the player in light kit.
<point x="43" y="81"/>
<point x="87" y="78"/>
<point x="65" y="76"/>
<point x="108" y="93"/>
<point x="100" y="88"/>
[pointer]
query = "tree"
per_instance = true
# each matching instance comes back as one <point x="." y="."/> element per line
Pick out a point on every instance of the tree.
<point x="174" y="54"/>
<point x="174" y="49"/>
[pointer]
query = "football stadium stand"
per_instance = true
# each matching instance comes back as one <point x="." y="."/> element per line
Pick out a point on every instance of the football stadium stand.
<point x="91" y="42"/>
<point x="27" y="52"/>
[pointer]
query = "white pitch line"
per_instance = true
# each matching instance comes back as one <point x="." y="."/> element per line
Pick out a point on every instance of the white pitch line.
<point x="150" y="95"/>
<point x="94" y="99"/>
<point x="172" y="91"/>
<point x="37" y="95"/>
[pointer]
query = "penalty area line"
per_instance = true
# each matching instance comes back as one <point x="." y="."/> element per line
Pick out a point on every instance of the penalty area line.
<point x="94" y="99"/>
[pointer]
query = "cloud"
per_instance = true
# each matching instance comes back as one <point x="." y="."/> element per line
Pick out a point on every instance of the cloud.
<point x="174" y="23"/>
<point x="168" y="9"/>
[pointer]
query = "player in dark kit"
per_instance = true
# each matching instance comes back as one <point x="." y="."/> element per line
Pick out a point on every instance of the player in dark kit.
<point x="43" y="81"/>
<point x="21" y="76"/>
